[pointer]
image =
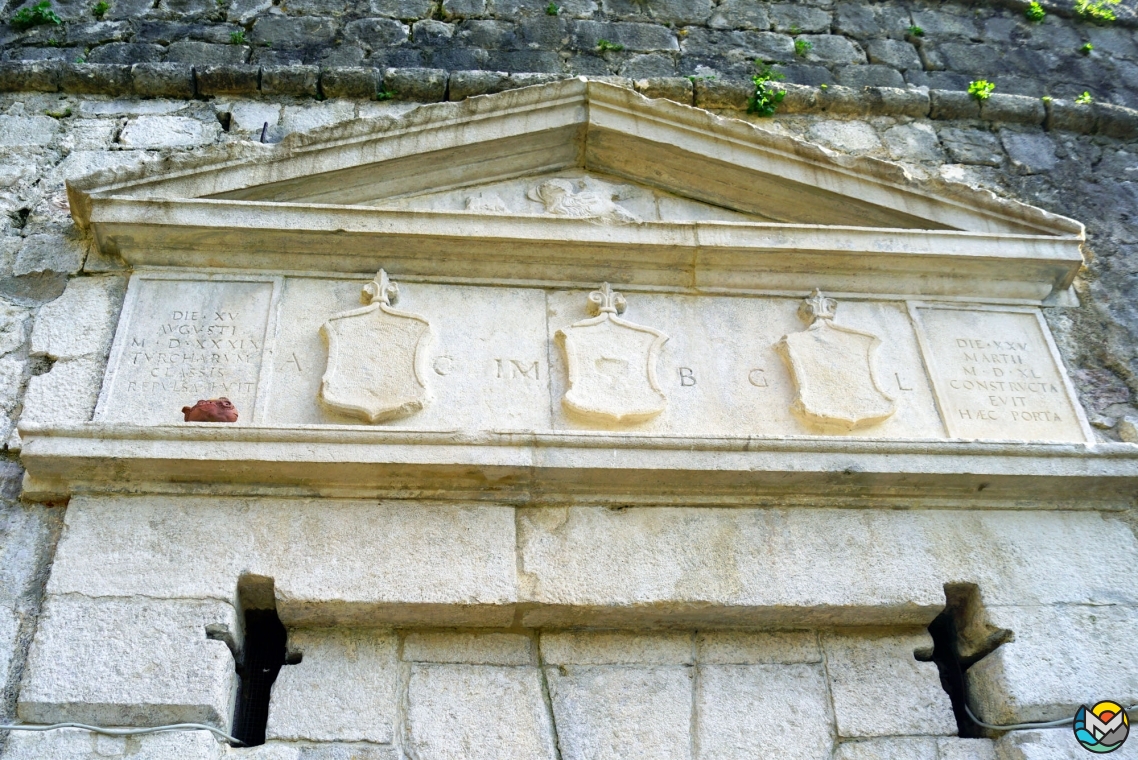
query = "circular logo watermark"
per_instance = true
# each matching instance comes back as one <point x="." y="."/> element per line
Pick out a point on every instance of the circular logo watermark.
<point x="1102" y="728"/>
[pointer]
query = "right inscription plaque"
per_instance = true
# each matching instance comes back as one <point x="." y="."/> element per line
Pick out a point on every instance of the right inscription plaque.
<point x="997" y="374"/>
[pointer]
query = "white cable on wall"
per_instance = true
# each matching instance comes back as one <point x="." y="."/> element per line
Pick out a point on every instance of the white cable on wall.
<point x="127" y="731"/>
<point x="1026" y="726"/>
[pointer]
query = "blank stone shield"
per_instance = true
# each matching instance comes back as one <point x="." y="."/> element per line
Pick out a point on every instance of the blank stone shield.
<point x="832" y="368"/>
<point x="373" y="357"/>
<point x="612" y="364"/>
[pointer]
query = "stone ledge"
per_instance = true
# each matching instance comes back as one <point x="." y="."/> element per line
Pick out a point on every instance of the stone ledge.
<point x="555" y="467"/>
<point x="434" y="85"/>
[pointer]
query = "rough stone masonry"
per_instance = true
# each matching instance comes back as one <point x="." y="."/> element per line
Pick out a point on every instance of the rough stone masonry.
<point x="467" y="621"/>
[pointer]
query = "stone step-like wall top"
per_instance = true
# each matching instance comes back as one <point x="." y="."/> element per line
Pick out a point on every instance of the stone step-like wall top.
<point x="895" y="44"/>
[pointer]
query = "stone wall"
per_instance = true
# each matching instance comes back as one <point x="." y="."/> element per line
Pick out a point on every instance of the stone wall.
<point x="891" y="44"/>
<point x="1082" y="166"/>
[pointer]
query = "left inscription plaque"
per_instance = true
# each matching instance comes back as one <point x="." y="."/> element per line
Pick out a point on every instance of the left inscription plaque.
<point x="183" y="340"/>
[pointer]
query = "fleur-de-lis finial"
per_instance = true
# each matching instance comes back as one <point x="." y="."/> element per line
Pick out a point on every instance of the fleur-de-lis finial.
<point x="380" y="289"/>
<point x="606" y="301"/>
<point x="816" y="307"/>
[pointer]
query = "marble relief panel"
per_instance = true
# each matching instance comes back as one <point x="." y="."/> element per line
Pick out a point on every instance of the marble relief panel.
<point x="415" y="355"/>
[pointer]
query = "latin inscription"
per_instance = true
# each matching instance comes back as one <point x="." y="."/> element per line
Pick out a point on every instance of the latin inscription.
<point x="188" y="341"/>
<point x="996" y="377"/>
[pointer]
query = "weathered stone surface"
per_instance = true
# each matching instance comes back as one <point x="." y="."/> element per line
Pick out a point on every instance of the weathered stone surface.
<point x="227" y="79"/>
<point x="96" y="78"/>
<point x="1030" y="152"/>
<point x="1013" y="108"/>
<point x="469" y="648"/>
<point x="952" y="748"/>
<point x="344" y="688"/>
<point x="168" y="132"/>
<point x="615" y="648"/>
<point x="49" y="252"/>
<point x="715" y="93"/>
<point x="81" y="322"/>
<point x="469" y="712"/>
<point x="740" y="14"/>
<point x="299" y="81"/>
<point x="972" y="146"/>
<point x="74" y="744"/>
<point x="679" y="89"/>
<point x="616" y="712"/>
<point x="947" y="104"/>
<point x="748" y="711"/>
<point x="427" y="85"/>
<point x="908" y="747"/>
<point x="880" y="689"/>
<point x="28" y="130"/>
<point x="9" y="629"/>
<point x="1128" y="429"/>
<point x="913" y="142"/>
<point x="349" y="82"/>
<point x="854" y="137"/>
<point x="739" y="648"/>
<point x="1008" y="686"/>
<point x="1039" y="745"/>
<point x="123" y="662"/>
<point x="450" y="555"/>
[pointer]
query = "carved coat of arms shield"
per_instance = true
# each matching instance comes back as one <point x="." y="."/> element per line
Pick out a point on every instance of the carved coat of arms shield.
<point x="832" y="369"/>
<point x="612" y="364"/>
<point x="374" y="357"/>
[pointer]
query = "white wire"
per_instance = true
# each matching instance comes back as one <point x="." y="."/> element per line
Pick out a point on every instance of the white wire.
<point x="1025" y="726"/>
<point x="126" y="731"/>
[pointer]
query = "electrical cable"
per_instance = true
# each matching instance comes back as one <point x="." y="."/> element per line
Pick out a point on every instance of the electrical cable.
<point x="128" y="731"/>
<point x="1026" y="726"/>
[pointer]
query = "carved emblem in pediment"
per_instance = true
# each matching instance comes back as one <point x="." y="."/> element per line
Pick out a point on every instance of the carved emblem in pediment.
<point x="582" y="199"/>
<point x="374" y="357"/>
<point x="832" y="369"/>
<point x="612" y="364"/>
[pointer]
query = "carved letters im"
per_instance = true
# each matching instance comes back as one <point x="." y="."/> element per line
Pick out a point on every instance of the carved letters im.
<point x="374" y="357"/>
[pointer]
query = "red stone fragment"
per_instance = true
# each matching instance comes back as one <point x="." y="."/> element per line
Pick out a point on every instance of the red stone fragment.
<point x="211" y="410"/>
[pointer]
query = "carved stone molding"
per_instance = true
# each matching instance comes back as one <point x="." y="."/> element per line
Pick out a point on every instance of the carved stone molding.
<point x="612" y="364"/>
<point x="832" y="369"/>
<point x="374" y="357"/>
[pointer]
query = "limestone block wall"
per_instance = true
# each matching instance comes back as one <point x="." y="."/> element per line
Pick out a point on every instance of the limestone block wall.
<point x="59" y="303"/>
<point x="569" y="632"/>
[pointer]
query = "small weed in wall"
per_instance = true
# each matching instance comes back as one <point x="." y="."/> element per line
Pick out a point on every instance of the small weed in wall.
<point x="766" y="97"/>
<point x="802" y="47"/>
<point x="552" y="9"/>
<point x="1087" y="48"/>
<point x="604" y="46"/>
<point x="981" y="89"/>
<point x="1096" y="11"/>
<point x="1085" y="99"/>
<point x="237" y="38"/>
<point x="1035" y="12"/>
<point x="99" y="9"/>
<point x="36" y="15"/>
<point x="916" y="31"/>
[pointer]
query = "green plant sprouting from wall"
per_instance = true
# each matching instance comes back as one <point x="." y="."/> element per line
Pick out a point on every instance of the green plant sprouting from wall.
<point x="1085" y="99"/>
<point x="1087" y="48"/>
<point x="916" y="31"/>
<point x="604" y="46"/>
<point x="237" y="38"/>
<point x="1096" y="11"/>
<point x="802" y="47"/>
<point x="1035" y="12"/>
<point x="981" y="89"/>
<point x="99" y="9"/>
<point x="766" y="97"/>
<point x="35" y="15"/>
<point x="552" y="9"/>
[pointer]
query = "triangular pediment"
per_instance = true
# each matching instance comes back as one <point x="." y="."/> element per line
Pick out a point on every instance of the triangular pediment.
<point x="605" y="183"/>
